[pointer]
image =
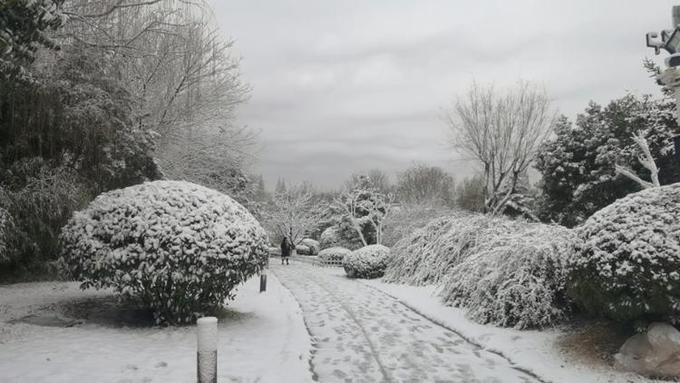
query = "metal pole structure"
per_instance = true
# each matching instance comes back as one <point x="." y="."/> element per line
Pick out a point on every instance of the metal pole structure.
<point x="207" y="350"/>
<point x="670" y="77"/>
<point x="674" y="85"/>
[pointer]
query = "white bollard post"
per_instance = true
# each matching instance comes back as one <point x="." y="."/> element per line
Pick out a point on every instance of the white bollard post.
<point x="207" y="350"/>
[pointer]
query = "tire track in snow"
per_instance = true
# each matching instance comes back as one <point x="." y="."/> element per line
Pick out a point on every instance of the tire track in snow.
<point x="315" y="339"/>
<point x="374" y="351"/>
<point x="466" y="338"/>
<point x="352" y="323"/>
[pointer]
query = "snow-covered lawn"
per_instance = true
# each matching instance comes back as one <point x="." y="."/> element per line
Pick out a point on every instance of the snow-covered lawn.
<point x="262" y="338"/>
<point x="538" y="351"/>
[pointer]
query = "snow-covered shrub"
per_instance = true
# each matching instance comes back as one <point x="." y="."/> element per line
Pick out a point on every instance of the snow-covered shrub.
<point x="629" y="263"/>
<point x="368" y="262"/>
<point x="428" y="254"/>
<point x="329" y="237"/>
<point x="333" y="254"/>
<point x="515" y="278"/>
<point x="313" y="245"/>
<point x="334" y="236"/>
<point x="407" y="218"/>
<point x="302" y="250"/>
<point x="40" y="198"/>
<point x="8" y="237"/>
<point x="177" y="247"/>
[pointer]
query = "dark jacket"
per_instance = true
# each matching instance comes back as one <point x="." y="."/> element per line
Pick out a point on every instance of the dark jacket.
<point x="286" y="247"/>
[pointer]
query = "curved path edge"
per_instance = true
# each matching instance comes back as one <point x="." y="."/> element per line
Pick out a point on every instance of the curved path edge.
<point x="467" y="338"/>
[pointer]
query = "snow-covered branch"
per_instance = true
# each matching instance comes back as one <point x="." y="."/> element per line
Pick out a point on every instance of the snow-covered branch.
<point x="293" y="213"/>
<point x="646" y="160"/>
<point x="503" y="132"/>
<point x="365" y="206"/>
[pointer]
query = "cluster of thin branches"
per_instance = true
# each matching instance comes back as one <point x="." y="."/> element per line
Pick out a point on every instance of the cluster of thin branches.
<point x="502" y="131"/>
<point x="293" y="213"/>
<point x="364" y="206"/>
<point x="180" y="69"/>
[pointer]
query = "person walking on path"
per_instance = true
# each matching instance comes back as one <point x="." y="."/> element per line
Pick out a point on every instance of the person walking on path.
<point x="286" y="247"/>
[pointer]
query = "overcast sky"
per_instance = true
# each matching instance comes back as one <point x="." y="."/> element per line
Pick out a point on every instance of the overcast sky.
<point x="343" y="86"/>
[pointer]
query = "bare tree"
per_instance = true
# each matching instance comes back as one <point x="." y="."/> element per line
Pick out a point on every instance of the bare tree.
<point x="503" y="132"/>
<point x="376" y="179"/>
<point x="427" y="185"/>
<point x="646" y="160"/>
<point x="293" y="213"/>
<point x="182" y="71"/>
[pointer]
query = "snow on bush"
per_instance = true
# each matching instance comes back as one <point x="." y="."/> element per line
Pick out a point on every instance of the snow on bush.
<point x="177" y="247"/>
<point x="8" y="233"/>
<point x="333" y="237"/>
<point x="330" y="237"/>
<point x="514" y="279"/>
<point x="628" y="266"/>
<point x="403" y="220"/>
<point x="333" y="254"/>
<point x="368" y="262"/>
<point x="428" y="254"/>
<point x="312" y="244"/>
<point x="302" y="250"/>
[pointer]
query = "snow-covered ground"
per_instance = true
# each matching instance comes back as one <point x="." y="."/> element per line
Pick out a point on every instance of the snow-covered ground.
<point x="363" y="331"/>
<point x="537" y="351"/>
<point x="363" y="335"/>
<point x="262" y="338"/>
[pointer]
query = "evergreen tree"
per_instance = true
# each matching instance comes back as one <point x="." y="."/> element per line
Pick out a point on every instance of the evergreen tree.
<point x="23" y="29"/>
<point x="280" y="186"/>
<point x="578" y="164"/>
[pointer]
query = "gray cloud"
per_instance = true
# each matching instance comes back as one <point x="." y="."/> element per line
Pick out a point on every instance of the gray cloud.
<point x="341" y="86"/>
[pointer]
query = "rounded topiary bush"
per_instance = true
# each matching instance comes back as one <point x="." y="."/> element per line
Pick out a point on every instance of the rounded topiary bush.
<point x="368" y="262"/>
<point x="333" y="254"/>
<point x="628" y="265"/>
<point x="312" y="244"/>
<point x="302" y="250"/>
<point x="178" y="247"/>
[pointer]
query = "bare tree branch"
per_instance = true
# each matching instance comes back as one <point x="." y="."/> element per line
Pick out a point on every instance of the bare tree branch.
<point x="502" y="131"/>
<point x="646" y="160"/>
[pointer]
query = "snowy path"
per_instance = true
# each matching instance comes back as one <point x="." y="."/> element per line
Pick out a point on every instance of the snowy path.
<point x="363" y="335"/>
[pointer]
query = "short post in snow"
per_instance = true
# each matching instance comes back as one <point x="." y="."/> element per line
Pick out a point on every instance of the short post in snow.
<point x="263" y="276"/>
<point x="207" y="350"/>
<point x="263" y="280"/>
